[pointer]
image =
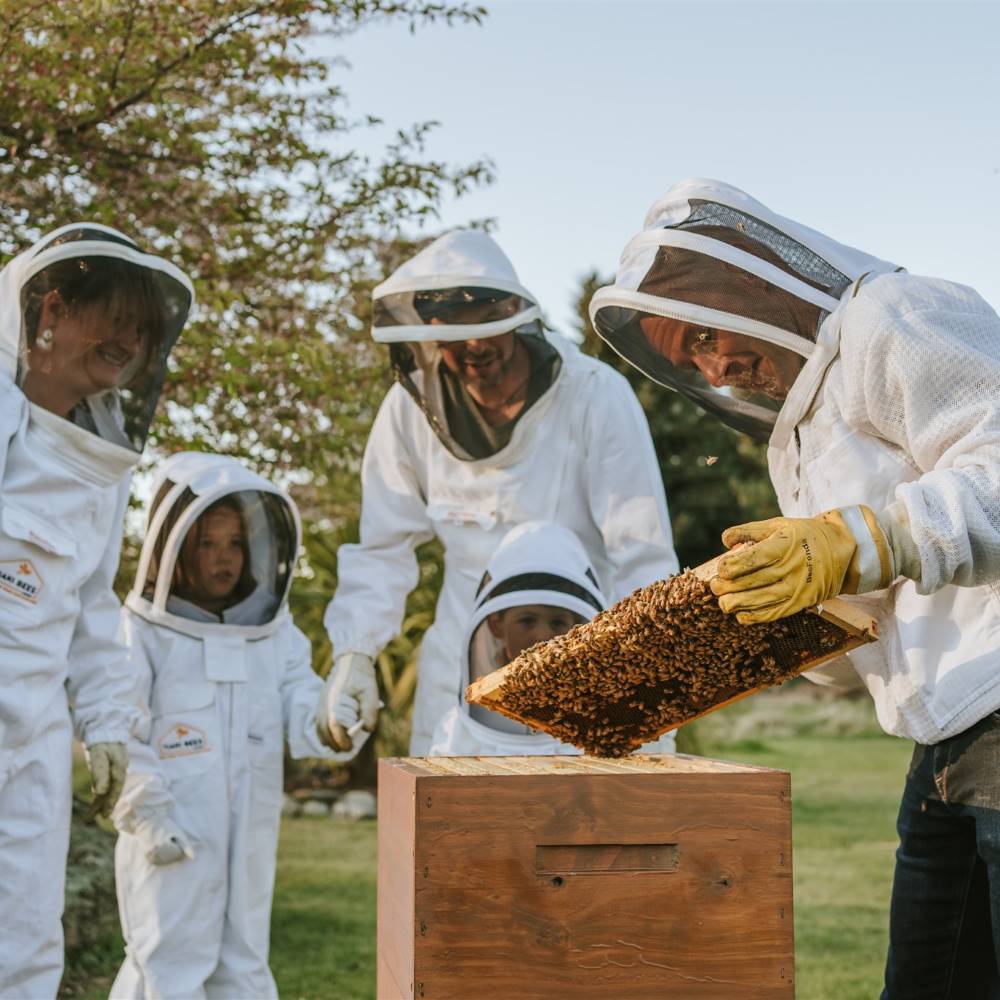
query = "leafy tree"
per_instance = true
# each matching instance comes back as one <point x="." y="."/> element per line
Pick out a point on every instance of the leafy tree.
<point x="714" y="476"/>
<point x="210" y="131"/>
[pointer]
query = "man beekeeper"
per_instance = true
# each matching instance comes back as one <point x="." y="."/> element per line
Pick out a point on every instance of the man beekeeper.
<point x="879" y="395"/>
<point x="493" y="421"/>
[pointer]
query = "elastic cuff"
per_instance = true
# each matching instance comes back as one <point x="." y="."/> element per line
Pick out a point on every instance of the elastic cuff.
<point x="895" y="523"/>
<point x="155" y="814"/>
<point x="95" y="736"/>
<point x="872" y="565"/>
<point x="342" y="646"/>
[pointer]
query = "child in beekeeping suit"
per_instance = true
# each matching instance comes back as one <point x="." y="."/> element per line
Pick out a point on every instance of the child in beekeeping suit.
<point x="223" y="678"/>
<point x="538" y="584"/>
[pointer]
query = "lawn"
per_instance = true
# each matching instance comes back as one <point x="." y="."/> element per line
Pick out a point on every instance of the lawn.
<point x="845" y="785"/>
<point x="845" y="792"/>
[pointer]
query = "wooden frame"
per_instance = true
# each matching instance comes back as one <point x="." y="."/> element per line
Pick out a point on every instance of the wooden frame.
<point x="860" y="627"/>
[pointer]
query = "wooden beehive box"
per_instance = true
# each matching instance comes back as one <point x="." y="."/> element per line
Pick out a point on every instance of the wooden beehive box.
<point x="646" y="877"/>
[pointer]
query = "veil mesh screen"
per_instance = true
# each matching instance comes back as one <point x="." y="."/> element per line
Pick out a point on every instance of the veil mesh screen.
<point x="803" y="261"/>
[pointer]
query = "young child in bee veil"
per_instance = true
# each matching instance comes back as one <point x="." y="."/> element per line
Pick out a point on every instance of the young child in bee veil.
<point x="223" y="679"/>
<point x="538" y="584"/>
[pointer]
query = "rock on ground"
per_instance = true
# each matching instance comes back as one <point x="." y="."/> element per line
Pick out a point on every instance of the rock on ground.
<point x="356" y="804"/>
<point x="315" y="808"/>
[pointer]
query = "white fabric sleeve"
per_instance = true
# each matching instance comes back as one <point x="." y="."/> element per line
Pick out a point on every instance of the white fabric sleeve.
<point x="375" y="575"/>
<point x="301" y="688"/>
<point x="12" y="406"/>
<point x="627" y="500"/>
<point x="925" y="379"/>
<point x="146" y="791"/>
<point x="98" y="679"/>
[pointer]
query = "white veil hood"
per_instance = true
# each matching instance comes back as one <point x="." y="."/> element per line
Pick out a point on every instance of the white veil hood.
<point x="713" y="263"/>
<point x="120" y="416"/>
<point x="186" y="485"/>
<point x="462" y="258"/>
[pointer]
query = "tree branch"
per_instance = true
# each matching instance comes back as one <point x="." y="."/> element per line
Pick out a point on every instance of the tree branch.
<point x="113" y="84"/>
<point x="163" y="71"/>
<point x="23" y="14"/>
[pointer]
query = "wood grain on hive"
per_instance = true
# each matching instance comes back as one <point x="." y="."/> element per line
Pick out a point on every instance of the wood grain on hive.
<point x="656" y="876"/>
<point x="662" y="656"/>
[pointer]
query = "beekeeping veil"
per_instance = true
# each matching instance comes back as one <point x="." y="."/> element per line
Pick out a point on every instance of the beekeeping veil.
<point x="537" y="562"/>
<point x="166" y="589"/>
<point x="722" y="299"/>
<point x="460" y="287"/>
<point x="102" y="283"/>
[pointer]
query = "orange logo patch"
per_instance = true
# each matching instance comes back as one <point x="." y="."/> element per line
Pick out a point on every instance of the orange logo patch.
<point x="21" y="580"/>
<point x="182" y="741"/>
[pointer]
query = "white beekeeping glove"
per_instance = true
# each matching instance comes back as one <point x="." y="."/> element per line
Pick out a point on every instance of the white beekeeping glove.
<point x="108" y="763"/>
<point x="349" y="696"/>
<point x="162" y="840"/>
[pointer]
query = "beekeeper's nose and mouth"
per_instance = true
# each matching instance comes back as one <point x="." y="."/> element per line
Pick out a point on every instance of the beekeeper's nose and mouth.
<point x="723" y="358"/>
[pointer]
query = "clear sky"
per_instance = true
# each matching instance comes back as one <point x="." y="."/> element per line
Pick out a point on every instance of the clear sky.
<point x="875" y="123"/>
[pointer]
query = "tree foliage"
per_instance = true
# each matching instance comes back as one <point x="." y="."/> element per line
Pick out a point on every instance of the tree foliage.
<point x="714" y="476"/>
<point x="214" y="132"/>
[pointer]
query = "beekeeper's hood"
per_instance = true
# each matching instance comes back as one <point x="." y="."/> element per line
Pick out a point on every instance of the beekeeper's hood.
<point x="537" y="563"/>
<point x="461" y="287"/>
<point x="219" y="550"/>
<point x="722" y="300"/>
<point x="87" y="322"/>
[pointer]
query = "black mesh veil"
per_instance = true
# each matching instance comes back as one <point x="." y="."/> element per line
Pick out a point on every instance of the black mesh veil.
<point x="724" y="301"/>
<point x="98" y="319"/>
<point x="725" y="311"/>
<point x="718" y="220"/>
<point x="231" y="559"/>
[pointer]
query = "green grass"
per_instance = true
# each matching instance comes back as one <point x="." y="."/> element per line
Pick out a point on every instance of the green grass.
<point x="323" y="920"/>
<point x="845" y="791"/>
<point x="323" y="925"/>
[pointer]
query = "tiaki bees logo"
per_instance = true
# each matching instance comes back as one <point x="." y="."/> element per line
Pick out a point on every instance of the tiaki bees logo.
<point x="182" y="740"/>
<point x="20" y="579"/>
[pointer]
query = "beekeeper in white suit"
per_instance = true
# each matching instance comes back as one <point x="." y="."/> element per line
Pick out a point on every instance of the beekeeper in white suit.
<point x="87" y="321"/>
<point x="222" y="677"/>
<point x="493" y="422"/>
<point x="538" y="585"/>
<point x="879" y="395"/>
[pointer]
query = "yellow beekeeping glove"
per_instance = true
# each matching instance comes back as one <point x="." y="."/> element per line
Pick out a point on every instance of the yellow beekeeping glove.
<point x="791" y="563"/>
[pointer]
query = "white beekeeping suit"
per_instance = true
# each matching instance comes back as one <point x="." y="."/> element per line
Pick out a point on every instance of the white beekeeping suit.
<point x="873" y="387"/>
<point x="87" y="321"/>
<point x="539" y="567"/>
<point x="579" y="454"/>
<point x="219" y="688"/>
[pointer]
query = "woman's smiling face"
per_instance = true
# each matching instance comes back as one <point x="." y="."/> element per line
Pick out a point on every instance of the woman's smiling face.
<point x="82" y="350"/>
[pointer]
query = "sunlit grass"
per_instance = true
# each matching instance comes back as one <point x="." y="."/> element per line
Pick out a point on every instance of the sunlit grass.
<point x="845" y="790"/>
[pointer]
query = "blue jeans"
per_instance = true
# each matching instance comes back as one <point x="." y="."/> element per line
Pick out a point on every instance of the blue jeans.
<point x="944" y="921"/>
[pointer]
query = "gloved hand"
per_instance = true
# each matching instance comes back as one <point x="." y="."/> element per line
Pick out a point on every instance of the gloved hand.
<point x="349" y="695"/>
<point x="108" y="763"/>
<point x="162" y="840"/>
<point x="792" y="563"/>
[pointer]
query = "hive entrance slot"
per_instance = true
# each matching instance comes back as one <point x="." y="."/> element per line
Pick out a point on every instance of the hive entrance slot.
<point x="596" y="859"/>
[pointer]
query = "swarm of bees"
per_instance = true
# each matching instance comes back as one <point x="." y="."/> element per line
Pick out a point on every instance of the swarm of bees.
<point x="661" y="657"/>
